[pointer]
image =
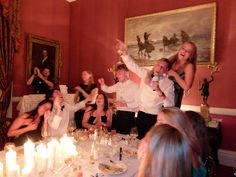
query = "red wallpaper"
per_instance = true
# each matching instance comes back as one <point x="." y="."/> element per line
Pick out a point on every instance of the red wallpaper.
<point x="87" y="30"/>
<point x="50" y="19"/>
<point x="96" y="25"/>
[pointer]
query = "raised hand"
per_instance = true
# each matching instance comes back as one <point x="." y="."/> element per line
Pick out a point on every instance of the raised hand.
<point x="78" y="88"/>
<point x="121" y="48"/>
<point x="57" y="102"/>
<point x="101" y="81"/>
<point x="32" y="126"/>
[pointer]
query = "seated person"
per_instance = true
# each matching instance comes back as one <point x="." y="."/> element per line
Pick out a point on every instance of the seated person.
<point x="98" y="115"/>
<point x="41" y="81"/>
<point x="174" y="117"/>
<point x="167" y="153"/>
<point x="199" y="125"/>
<point x="30" y="124"/>
<point x="59" y="118"/>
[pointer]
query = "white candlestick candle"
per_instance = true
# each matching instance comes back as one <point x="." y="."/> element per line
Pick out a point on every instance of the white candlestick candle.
<point x="10" y="157"/>
<point x="42" y="158"/>
<point x="12" y="169"/>
<point x="52" y="146"/>
<point x="29" y="154"/>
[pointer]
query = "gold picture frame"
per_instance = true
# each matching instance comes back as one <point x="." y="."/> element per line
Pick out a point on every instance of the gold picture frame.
<point x="35" y="46"/>
<point x="154" y="36"/>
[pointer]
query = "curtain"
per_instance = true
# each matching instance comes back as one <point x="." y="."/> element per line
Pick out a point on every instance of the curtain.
<point x="9" y="44"/>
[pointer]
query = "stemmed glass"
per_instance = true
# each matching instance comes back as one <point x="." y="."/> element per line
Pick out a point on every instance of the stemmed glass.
<point x="133" y="134"/>
<point x="71" y="127"/>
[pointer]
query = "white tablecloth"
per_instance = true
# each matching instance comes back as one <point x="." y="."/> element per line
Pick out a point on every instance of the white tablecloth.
<point x="89" y="169"/>
<point x="30" y="102"/>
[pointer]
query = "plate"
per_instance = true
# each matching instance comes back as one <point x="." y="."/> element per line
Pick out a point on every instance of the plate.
<point x="112" y="167"/>
<point x="130" y="152"/>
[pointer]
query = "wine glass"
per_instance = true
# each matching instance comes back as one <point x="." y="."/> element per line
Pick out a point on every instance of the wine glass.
<point x="71" y="127"/>
<point x="134" y="132"/>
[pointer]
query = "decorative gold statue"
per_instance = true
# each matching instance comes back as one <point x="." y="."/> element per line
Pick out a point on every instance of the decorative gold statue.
<point x="205" y="91"/>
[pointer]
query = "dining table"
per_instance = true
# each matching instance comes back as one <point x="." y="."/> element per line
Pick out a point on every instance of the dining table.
<point x="107" y="156"/>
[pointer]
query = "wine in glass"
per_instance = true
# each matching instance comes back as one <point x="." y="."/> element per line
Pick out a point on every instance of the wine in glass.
<point x="134" y="132"/>
<point x="133" y="135"/>
<point x="71" y="127"/>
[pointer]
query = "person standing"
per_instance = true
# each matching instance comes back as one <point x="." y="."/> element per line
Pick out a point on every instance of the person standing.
<point x="182" y="71"/>
<point x="42" y="82"/>
<point x="85" y="89"/>
<point x="156" y="90"/>
<point x="126" y="99"/>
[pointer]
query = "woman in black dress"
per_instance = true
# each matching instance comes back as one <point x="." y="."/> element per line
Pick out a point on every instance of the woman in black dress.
<point x="84" y="90"/>
<point x="30" y="124"/>
<point x="98" y="115"/>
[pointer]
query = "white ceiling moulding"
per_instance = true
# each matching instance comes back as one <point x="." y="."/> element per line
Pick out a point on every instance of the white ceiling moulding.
<point x="70" y="1"/>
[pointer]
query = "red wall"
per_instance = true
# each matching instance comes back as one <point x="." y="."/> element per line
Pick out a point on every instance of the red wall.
<point x="96" y="24"/>
<point x="87" y="30"/>
<point x="47" y="18"/>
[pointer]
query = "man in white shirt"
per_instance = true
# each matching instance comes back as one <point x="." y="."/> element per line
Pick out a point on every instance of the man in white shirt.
<point x="59" y="118"/>
<point x="154" y="93"/>
<point x="126" y="95"/>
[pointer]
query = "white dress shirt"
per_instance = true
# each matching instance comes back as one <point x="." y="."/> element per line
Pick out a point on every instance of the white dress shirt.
<point x="57" y="125"/>
<point x="126" y="92"/>
<point x="150" y="101"/>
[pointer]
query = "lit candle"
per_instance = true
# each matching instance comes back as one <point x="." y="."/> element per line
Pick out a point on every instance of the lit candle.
<point x="42" y="157"/>
<point x="52" y="146"/>
<point x="13" y="170"/>
<point x="29" y="153"/>
<point x="1" y="169"/>
<point x="11" y="167"/>
<point x="10" y="157"/>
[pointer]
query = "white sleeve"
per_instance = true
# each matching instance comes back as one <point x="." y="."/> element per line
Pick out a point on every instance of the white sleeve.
<point x="108" y="89"/>
<point x="135" y="102"/>
<point x="55" y="121"/>
<point x="78" y="106"/>
<point x="129" y="62"/>
<point x="170" y="95"/>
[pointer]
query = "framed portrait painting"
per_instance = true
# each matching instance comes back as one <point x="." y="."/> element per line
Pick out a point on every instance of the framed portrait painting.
<point x="43" y="53"/>
<point x="154" y="36"/>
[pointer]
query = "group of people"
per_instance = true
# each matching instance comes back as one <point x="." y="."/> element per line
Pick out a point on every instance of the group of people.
<point x="152" y="106"/>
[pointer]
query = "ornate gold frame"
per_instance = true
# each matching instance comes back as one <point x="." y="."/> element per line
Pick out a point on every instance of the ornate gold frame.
<point x="197" y="21"/>
<point x="38" y="43"/>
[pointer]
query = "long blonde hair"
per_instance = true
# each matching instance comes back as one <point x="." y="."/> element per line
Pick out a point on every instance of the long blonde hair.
<point x="91" y="79"/>
<point x="167" y="154"/>
<point x="192" y="59"/>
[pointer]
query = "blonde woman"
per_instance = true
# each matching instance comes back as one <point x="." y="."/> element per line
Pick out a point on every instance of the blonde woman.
<point x="87" y="88"/>
<point x="167" y="154"/>
<point x="182" y="70"/>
